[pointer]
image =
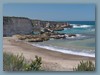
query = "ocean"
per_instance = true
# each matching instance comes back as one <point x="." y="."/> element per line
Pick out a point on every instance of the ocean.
<point x="83" y="45"/>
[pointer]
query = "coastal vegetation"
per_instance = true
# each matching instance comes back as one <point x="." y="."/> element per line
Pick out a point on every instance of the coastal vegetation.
<point x="85" y="66"/>
<point x="18" y="63"/>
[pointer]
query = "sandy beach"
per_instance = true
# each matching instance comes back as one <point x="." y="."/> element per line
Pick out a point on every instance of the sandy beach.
<point x="51" y="60"/>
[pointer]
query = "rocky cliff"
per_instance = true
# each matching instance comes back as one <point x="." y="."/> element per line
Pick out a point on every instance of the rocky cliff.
<point x="16" y="25"/>
<point x="22" y="25"/>
<point x="52" y="25"/>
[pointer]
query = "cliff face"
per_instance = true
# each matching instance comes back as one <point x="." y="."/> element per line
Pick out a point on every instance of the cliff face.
<point x="16" y="25"/>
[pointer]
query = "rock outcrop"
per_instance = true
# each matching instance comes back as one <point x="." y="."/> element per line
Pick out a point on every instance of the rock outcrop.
<point x="26" y="26"/>
<point x="16" y="25"/>
<point x="50" y="25"/>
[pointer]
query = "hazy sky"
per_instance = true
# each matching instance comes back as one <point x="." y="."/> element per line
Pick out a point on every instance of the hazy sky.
<point x="58" y="12"/>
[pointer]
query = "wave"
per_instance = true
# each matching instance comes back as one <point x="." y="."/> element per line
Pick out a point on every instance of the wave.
<point x="93" y="30"/>
<point x="77" y="36"/>
<point x="81" y="26"/>
<point x="67" y="51"/>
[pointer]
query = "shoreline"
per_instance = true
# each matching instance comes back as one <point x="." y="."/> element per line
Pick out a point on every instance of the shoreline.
<point x="65" y="51"/>
<point x="52" y="60"/>
<point x="55" y="50"/>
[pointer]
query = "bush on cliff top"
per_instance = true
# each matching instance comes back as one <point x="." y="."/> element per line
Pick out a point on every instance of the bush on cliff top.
<point x="17" y="63"/>
<point x="85" y="66"/>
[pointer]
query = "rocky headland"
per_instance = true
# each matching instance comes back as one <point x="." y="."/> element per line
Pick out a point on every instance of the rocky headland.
<point x="33" y="30"/>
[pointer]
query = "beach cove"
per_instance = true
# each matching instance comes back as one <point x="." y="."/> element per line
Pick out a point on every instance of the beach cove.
<point x="51" y="60"/>
<point x="61" y="45"/>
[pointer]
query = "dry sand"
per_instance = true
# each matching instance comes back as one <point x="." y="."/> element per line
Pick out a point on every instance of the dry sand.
<point x="51" y="60"/>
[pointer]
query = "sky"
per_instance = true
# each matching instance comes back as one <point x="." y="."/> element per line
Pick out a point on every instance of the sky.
<point x="51" y="12"/>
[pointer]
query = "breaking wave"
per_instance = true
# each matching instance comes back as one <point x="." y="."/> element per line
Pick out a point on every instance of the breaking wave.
<point x="89" y="53"/>
<point x="81" y="26"/>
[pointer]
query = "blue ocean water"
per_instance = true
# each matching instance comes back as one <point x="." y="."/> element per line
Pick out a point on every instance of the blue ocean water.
<point x="80" y="27"/>
<point x="82" y="22"/>
<point x="83" y="45"/>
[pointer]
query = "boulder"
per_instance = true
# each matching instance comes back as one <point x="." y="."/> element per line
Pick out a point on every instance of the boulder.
<point x="35" y="40"/>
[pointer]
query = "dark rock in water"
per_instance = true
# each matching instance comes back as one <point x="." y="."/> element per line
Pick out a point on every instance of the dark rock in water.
<point x="78" y="24"/>
<point x="70" y="35"/>
<point x="69" y="26"/>
<point x="35" y="40"/>
<point x="57" y="37"/>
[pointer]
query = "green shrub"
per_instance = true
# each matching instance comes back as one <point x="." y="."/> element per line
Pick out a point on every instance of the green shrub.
<point x="35" y="65"/>
<point x="18" y="63"/>
<point x="85" y="66"/>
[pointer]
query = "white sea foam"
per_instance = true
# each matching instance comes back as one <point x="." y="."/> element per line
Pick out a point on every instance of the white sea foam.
<point x="92" y="29"/>
<point x="80" y="26"/>
<point x="78" y="36"/>
<point x="67" y="51"/>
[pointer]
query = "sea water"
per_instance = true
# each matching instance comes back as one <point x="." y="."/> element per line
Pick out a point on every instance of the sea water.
<point x="83" y="45"/>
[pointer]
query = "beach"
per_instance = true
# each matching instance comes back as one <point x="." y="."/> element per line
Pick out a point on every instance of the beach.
<point x="51" y="60"/>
